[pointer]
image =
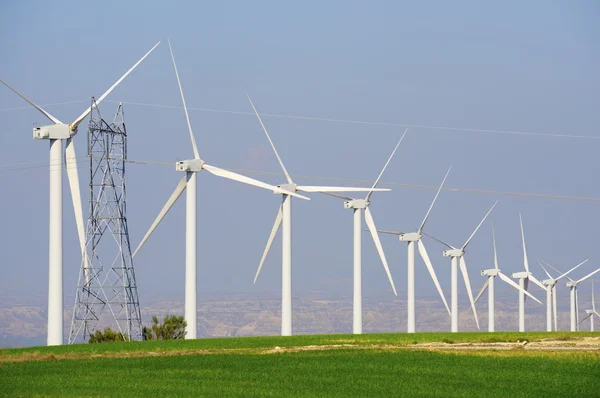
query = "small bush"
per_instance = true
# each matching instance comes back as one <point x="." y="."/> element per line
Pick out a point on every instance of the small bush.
<point x="108" y="335"/>
<point x="172" y="328"/>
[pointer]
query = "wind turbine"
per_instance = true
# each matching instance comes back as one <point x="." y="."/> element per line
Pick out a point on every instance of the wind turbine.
<point x="284" y="217"/>
<point x="592" y="312"/>
<point x="411" y="238"/>
<point x="572" y="285"/>
<point x="524" y="277"/>
<point x="191" y="168"/>
<point x="550" y="285"/>
<point x="489" y="284"/>
<point x="455" y="254"/>
<point x="56" y="133"/>
<point x="358" y="205"/>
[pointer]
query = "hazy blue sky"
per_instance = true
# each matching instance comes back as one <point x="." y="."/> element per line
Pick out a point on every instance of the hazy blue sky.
<point x="518" y="66"/>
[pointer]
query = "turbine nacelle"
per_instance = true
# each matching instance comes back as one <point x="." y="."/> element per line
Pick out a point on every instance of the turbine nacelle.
<point x="53" y="132"/>
<point x="356" y="204"/>
<point x="190" y="165"/>
<point x="490" y="272"/>
<point x="453" y="253"/>
<point x="521" y="275"/>
<point x="291" y="187"/>
<point x="572" y="283"/>
<point x="410" y="237"/>
<point x="549" y="282"/>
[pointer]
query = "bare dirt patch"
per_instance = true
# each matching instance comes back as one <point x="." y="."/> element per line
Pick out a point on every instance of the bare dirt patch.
<point x="583" y="344"/>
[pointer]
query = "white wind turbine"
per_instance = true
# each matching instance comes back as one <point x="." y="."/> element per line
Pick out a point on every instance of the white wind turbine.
<point x="191" y="167"/>
<point x="524" y="277"/>
<point x="592" y="312"/>
<point x="284" y="217"/>
<point x="455" y="254"/>
<point x="489" y="284"/>
<point x="411" y="238"/>
<point x="550" y="285"/>
<point x="572" y="285"/>
<point x="358" y="205"/>
<point x="56" y="133"/>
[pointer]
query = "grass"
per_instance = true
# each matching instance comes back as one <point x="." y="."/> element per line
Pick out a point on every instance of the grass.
<point x="241" y="367"/>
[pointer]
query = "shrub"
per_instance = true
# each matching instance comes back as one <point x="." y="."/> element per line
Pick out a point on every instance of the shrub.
<point x="172" y="328"/>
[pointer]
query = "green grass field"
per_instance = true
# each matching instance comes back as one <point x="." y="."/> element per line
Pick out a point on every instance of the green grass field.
<point x="374" y="365"/>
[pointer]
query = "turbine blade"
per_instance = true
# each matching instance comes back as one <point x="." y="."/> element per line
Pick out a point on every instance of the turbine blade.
<point x="73" y="177"/>
<point x="544" y="268"/>
<point x="433" y="202"/>
<point x="589" y="315"/>
<point x="588" y="275"/>
<point x="536" y="281"/>
<point x="495" y="253"/>
<point x="554" y="269"/>
<point x="187" y="116"/>
<point x="384" y="167"/>
<point x="385" y="231"/>
<point x="287" y="176"/>
<point x="163" y="212"/>
<point x="77" y="121"/>
<point x="593" y="298"/>
<point x="516" y="286"/>
<point x="373" y="230"/>
<point x="572" y="269"/>
<point x="483" y="289"/>
<point x="325" y="189"/>
<point x="427" y="261"/>
<point x="36" y="106"/>
<point x="247" y="180"/>
<point x="479" y="226"/>
<point x="465" y="274"/>
<point x="439" y="241"/>
<point x="337" y="196"/>
<point x="276" y="226"/>
<point x="525" y="261"/>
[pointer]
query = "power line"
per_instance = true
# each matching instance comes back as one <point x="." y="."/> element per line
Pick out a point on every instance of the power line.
<point x="333" y="120"/>
<point x="45" y="166"/>
<point x="397" y="185"/>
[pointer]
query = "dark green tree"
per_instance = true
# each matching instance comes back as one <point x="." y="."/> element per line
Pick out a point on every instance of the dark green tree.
<point x="172" y="328"/>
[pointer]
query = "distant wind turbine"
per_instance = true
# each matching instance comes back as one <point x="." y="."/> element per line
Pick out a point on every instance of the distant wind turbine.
<point x="524" y="277"/>
<point x="455" y="254"/>
<point x="358" y="205"/>
<point x="551" y="293"/>
<point x="592" y="312"/>
<point x="489" y="285"/>
<point x="411" y="238"/>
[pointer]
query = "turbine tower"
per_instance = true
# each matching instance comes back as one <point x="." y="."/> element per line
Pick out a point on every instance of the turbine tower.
<point x="284" y="217"/>
<point x="56" y="133"/>
<point x="489" y="284"/>
<point x="191" y="168"/>
<point x="524" y="277"/>
<point x="358" y="205"/>
<point x="457" y="255"/>
<point x="550" y="285"/>
<point x="107" y="290"/>
<point x="411" y="238"/>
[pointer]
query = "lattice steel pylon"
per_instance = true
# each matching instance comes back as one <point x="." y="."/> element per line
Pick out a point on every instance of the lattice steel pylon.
<point x="106" y="293"/>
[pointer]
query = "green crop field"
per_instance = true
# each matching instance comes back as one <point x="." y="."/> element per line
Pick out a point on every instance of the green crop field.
<point x="308" y="366"/>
